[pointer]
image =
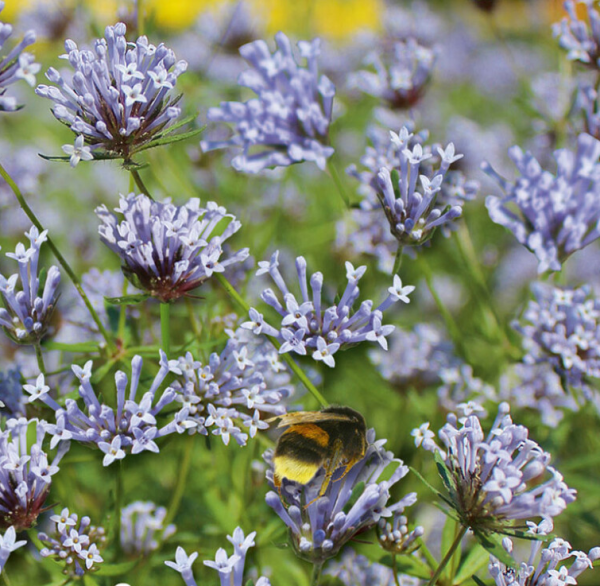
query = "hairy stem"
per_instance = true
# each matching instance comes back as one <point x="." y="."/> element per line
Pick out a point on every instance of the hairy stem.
<point x="290" y="361"/>
<point x="40" y="358"/>
<point x="316" y="573"/>
<point x="165" y="327"/>
<point x="118" y="506"/>
<point x="59" y="257"/>
<point x="448" y="556"/>
<point x="140" y="184"/>
<point x="398" y="260"/>
<point x="395" y="570"/>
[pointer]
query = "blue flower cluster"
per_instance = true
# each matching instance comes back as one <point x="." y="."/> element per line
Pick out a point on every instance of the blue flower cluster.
<point x="320" y="527"/>
<point x="26" y="316"/>
<point x="131" y="427"/>
<point x="241" y="384"/>
<point x="544" y="569"/>
<point x="357" y="570"/>
<point x="496" y="479"/>
<point x="395" y="167"/>
<point x="552" y="215"/>
<point x="561" y="328"/>
<point x="16" y="65"/>
<point x="76" y="545"/>
<point x="311" y="326"/>
<point x="142" y="528"/>
<point x="581" y="42"/>
<point x="25" y="472"/>
<point x="289" y="120"/>
<point x="117" y="99"/>
<point x="169" y="250"/>
<point x="401" y="74"/>
<point x="230" y="568"/>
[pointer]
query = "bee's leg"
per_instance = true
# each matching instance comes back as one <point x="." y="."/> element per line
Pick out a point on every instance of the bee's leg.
<point x="348" y="467"/>
<point x="330" y="467"/>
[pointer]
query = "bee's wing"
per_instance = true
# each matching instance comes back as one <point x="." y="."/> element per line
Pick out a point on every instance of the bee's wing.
<point x="307" y="417"/>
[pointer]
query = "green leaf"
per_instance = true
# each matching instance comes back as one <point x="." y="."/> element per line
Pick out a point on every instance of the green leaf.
<point x="89" y="581"/>
<point x="80" y="347"/>
<point x="250" y="583"/>
<point x="431" y="487"/>
<point x="127" y="299"/>
<point x="444" y="472"/>
<point x="116" y="569"/>
<point x="473" y="562"/>
<point x="478" y="581"/>
<point x="493" y="544"/>
<point x="406" y="564"/>
<point x="101" y="372"/>
<point x="170" y="138"/>
<point x="179" y="124"/>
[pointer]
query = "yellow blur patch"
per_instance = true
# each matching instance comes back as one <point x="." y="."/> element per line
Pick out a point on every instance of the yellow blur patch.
<point x="341" y="19"/>
<point x="295" y="470"/>
<point x="312" y="432"/>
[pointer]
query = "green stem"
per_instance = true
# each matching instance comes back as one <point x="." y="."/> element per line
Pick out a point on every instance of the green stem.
<point x="59" y="257"/>
<point x="290" y="361"/>
<point x="452" y="326"/>
<point x="448" y="556"/>
<point x="316" y="573"/>
<point x="395" y="570"/>
<point x="40" y="358"/>
<point x="165" y="311"/>
<point x="398" y="260"/>
<point x="6" y="579"/>
<point x="138" y="181"/>
<point x="183" y="471"/>
<point x="338" y="182"/>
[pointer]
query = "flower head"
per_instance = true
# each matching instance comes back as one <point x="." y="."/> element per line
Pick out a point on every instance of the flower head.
<point x="499" y="478"/>
<point x="16" y="65"/>
<point x="74" y="542"/>
<point x="168" y="250"/>
<point x="142" y="527"/>
<point x="237" y="387"/>
<point x="320" y="527"/>
<point x="118" y="97"/>
<point x="357" y="570"/>
<point x="547" y="569"/>
<point x="309" y="324"/>
<point x="11" y="394"/>
<point x="130" y="427"/>
<point x="581" y="42"/>
<point x="26" y="315"/>
<point x="402" y="71"/>
<point x="560" y="329"/>
<point x="417" y="196"/>
<point x="289" y="120"/>
<point x="25" y="473"/>
<point x="552" y="215"/>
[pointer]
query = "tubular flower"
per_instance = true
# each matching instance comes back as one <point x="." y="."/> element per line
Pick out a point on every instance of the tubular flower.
<point x="168" y="250"/>
<point x="493" y="480"/>
<point x="240" y="385"/>
<point x="319" y="528"/>
<point x="546" y="571"/>
<point x="561" y="329"/>
<point x="16" y="65"/>
<point x="77" y="544"/>
<point x="581" y="42"/>
<point x="25" y="474"/>
<point x="552" y="215"/>
<point x="394" y="170"/>
<point x="309" y="326"/>
<point x="401" y="73"/>
<point x="131" y="427"/>
<point x="118" y="97"/>
<point x="142" y="528"/>
<point x="289" y="120"/>
<point x="26" y="317"/>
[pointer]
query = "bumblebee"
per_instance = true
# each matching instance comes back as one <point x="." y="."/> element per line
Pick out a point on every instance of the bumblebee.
<point x="333" y="437"/>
